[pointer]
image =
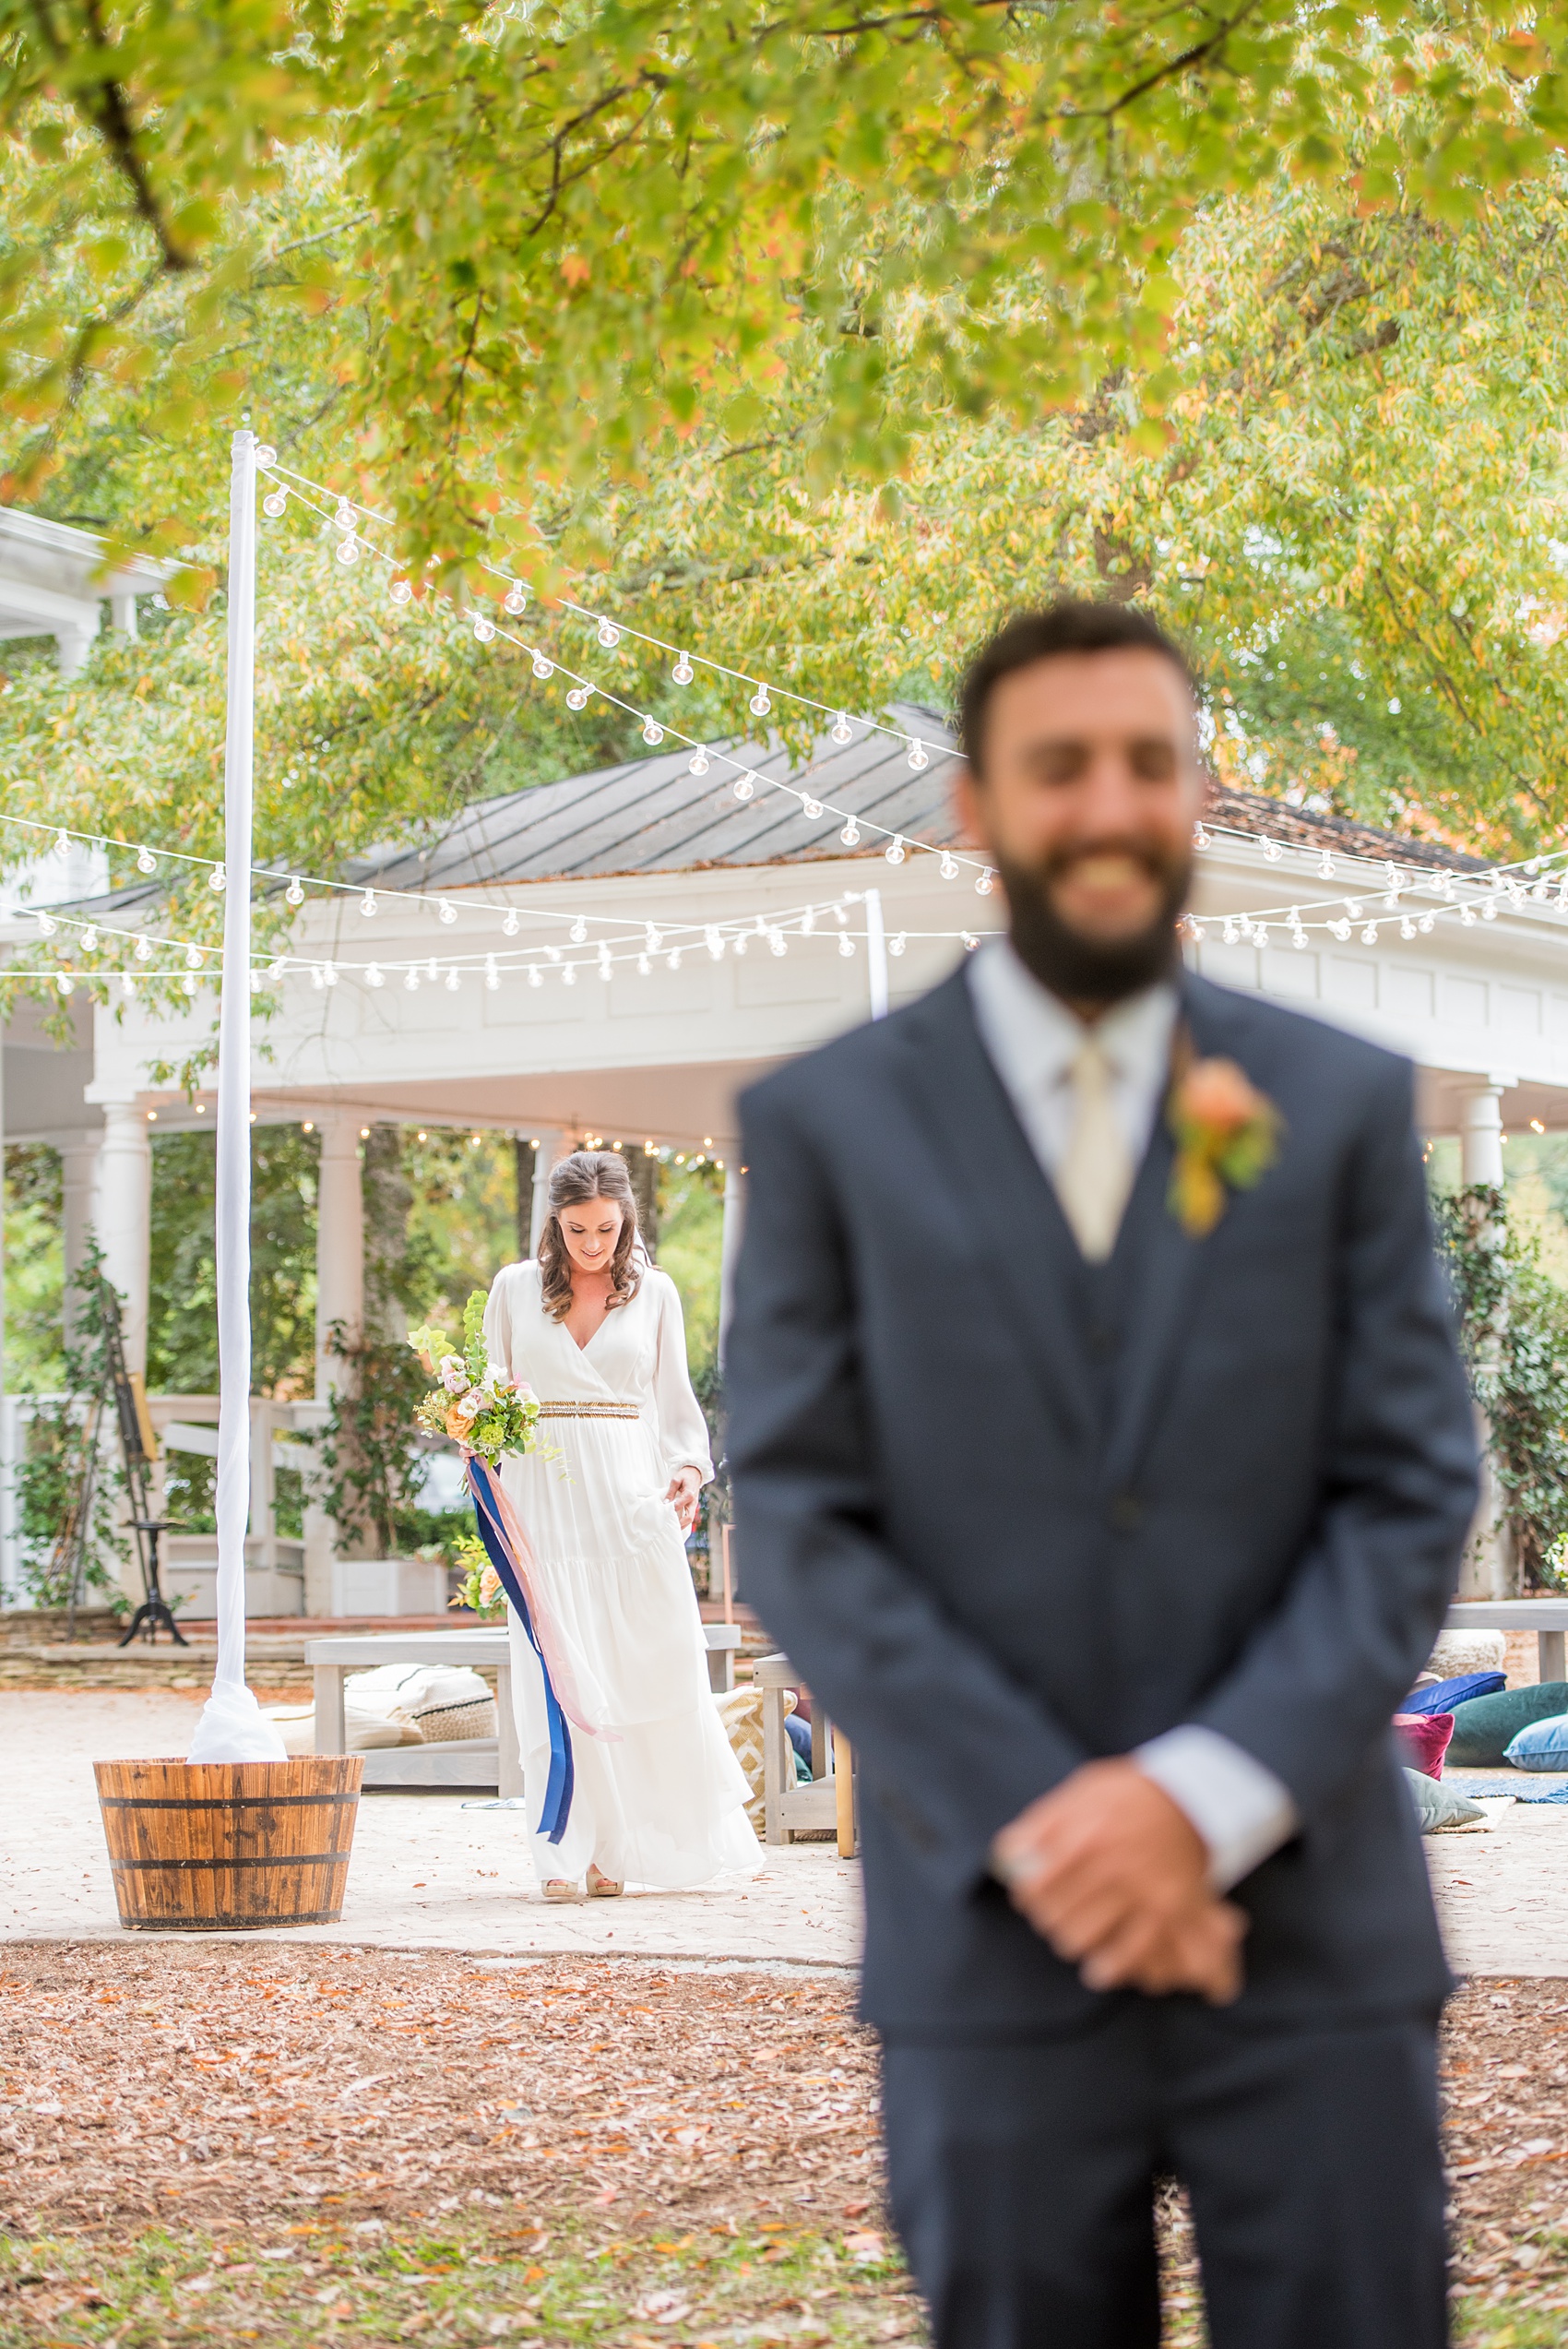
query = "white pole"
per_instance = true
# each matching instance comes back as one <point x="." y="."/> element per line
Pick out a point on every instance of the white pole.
<point x="876" y="954"/>
<point x="231" y="1728"/>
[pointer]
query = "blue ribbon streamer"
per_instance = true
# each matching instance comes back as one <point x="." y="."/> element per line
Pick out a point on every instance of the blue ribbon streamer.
<point x="558" y="1788"/>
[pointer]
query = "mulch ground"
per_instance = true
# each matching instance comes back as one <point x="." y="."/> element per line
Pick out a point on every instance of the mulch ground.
<point x="262" y="2142"/>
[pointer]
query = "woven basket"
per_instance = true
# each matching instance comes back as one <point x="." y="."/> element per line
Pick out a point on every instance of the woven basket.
<point x="212" y="1846"/>
<point x="456" y="1724"/>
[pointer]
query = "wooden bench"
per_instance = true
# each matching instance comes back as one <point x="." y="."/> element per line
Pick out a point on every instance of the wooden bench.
<point x="790" y="1809"/>
<point x="1548" y="1618"/>
<point x="467" y="1761"/>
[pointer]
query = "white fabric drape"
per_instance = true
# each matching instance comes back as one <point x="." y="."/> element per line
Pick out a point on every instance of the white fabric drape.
<point x="659" y="1797"/>
<point x="231" y="1728"/>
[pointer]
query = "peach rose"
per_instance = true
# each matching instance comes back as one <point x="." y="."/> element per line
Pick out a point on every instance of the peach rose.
<point x="1216" y="1094"/>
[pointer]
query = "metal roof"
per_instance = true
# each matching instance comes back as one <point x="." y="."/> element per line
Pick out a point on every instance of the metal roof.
<point x="655" y="816"/>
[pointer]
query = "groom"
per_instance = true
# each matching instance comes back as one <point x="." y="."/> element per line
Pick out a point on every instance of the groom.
<point x="1103" y="1459"/>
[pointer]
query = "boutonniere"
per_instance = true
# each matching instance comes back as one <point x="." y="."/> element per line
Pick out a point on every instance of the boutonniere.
<point x="1226" y="1138"/>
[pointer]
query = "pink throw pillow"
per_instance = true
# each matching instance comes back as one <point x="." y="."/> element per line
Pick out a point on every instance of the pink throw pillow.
<point x="1424" y="1736"/>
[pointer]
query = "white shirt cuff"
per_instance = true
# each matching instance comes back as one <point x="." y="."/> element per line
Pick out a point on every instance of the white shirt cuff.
<point x="1239" y="1809"/>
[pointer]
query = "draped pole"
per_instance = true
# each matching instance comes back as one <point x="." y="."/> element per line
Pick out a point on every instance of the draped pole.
<point x="232" y="1728"/>
<point x="876" y="953"/>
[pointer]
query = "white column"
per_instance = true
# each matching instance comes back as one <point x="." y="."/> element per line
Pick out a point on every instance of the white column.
<point x="340" y="1245"/>
<point x="1480" y="1133"/>
<point x="553" y="1148"/>
<point x="122" y="1214"/>
<point x="78" y="1188"/>
<point x="730" y="1245"/>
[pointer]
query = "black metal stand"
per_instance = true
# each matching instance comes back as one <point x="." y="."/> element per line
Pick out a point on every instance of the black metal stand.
<point x="154" y="1615"/>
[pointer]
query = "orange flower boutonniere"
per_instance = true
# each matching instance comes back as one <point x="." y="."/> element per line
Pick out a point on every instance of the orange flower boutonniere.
<point x="1226" y="1138"/>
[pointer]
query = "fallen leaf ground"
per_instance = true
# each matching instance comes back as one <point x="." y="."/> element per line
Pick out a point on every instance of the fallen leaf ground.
<point x="257" y="2143"/>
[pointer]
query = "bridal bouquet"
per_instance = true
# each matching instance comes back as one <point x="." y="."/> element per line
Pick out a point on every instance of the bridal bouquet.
<point x="483" y="1410"/>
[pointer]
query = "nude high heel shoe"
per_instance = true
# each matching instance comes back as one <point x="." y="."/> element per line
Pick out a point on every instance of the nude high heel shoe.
<point x="601" y="1887"/>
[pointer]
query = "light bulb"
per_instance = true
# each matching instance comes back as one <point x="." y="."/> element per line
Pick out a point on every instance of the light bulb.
<point x="1325" y="867"/>
<point x="516" y="598"/>
<point x="983" y="886"/>
<point x="1201" y="838"/>
<point x="146" y="861"/>
<point x="896" y="945"/>
<point x="66" y="984"/>
<point x="491" y="975"/>
<point x="850" y="835"/>
<point x="447" y="910"/>
<point x="673" y="960"/>
<point x="509" y="927"/>
<point x="128" y="985"/>
<point x="373" y="975"/>
<point x="347" y="549"/>
<point x="217" y="880"/>
<point x="536" y="977"/>
<point x="62" y="845"/>
<point x="330" y="974"/>
<point x="89" y="939"/>
<point x="1272" y="851"/>
<point x="644" y="966"/>
<point x="811" y="809"/>
<point x="188" y="984"/>
<point x="569" y="976"/>
<point x="840" y="728"/>
<point x="264" y="456"/>
<point x="483" y="629"/>
<point x="344" y="517"/>
<point x="367" y="904"/>
<point x="917" y="756"/>
<point x="412" y="982"/>
<point x="144" y="949"/>
<point x="454" y="980"/>
<point x="807" y="921"/>
<point x="775" y="942"/>
<point x="400" y="591"/>
<point x="541" y="667"/>
<point x="655" y="936"/>
<point x="743" y="787"/>
<point x="846" y="945"/>
<point x="192" y="959"/>
<point x="681" y="672"/>
<point x="759" y="704"/>
<point x="653" y="732"/>
<point x="275" y="503"/>
<point x="609" y="635"/>
<point x="893" y="852"/>
<point x="1369" y="936"/>
<point x="947" y="868"/>
<point x="713" y="939"/>
<point x="578" y="931"/>
<point x="577" y="698"/>
<point x="295" y="894"/>
<point x="699" y="761"/>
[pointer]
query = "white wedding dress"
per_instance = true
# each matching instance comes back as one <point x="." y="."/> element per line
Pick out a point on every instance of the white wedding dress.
<point x="658" y="1797"/>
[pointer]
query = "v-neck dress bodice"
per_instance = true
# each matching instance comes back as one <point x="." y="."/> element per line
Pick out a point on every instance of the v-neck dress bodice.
<point x="659" y="1798"/>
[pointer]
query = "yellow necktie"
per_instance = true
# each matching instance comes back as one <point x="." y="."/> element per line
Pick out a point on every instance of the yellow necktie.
<point x="1095" y="1174"/>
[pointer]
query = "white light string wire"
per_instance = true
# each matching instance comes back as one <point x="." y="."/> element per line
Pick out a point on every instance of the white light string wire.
<point x="1409" y="878"/>
<point x="546" y="665"/>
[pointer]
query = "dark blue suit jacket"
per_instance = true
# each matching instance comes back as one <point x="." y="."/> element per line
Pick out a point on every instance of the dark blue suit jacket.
<point x="1005" y="1513"/>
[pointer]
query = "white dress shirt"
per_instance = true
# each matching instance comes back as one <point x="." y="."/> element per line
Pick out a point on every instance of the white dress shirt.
<point x="1241" y="1809"/>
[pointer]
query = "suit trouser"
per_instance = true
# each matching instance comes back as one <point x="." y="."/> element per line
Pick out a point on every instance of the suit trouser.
<point x="1022" y="2178"/>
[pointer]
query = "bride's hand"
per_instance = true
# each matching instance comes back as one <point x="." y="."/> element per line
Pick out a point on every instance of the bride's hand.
<point x="684" y="1487"/>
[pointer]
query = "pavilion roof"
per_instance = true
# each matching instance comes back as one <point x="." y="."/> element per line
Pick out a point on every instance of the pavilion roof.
<point x="654" y="816"/>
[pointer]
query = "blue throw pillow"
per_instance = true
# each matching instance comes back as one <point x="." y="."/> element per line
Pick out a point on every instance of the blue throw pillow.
<point x="1542" y="1744"/>
<point x="1446" y="1694"/>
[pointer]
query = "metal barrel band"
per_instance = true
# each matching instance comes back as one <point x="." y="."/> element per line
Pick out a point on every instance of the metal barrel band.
<point x="217" y="1801"/>
<point x="228" y="1920"/>
<point x="237" y="1859"/>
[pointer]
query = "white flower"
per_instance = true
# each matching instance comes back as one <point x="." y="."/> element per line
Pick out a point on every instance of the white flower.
<point x="468" y="1406"/>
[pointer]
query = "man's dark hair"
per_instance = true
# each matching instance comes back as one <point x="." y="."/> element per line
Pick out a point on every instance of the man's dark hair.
<point x="1070" y="625"/>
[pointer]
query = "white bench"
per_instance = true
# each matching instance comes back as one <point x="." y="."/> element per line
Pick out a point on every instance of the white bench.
<point x="467" y="1761"/>
<point x="790" y="1809"/>
<point x="1548" y="1618"/>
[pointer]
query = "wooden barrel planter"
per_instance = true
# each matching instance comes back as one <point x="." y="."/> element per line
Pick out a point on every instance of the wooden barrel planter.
<point x="205" y="1847"/>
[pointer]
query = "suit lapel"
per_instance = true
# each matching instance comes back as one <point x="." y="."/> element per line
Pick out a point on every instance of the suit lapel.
<point x="1024" y="1243"/>
<point x="1154" y="1253"/>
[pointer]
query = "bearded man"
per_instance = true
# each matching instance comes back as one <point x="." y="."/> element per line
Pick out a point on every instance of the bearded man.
<point x="1103" y="1458"/>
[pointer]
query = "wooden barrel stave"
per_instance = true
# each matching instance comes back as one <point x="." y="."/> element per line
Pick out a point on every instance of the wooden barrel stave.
<point x="214" y="1846"/>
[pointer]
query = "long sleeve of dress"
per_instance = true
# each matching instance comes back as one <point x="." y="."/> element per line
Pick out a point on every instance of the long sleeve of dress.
<point x="683" y="1431"/>
<point x="498" y="1320"/>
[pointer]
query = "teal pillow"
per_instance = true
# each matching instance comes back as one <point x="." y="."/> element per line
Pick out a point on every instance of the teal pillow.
<point x="1486" y="1726"/>
<point x="1541" y="1744"/>
<point x="1437" y="1806"/>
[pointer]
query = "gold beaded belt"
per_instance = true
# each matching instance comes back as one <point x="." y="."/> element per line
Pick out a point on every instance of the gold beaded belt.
<point x="589" y="1411"/>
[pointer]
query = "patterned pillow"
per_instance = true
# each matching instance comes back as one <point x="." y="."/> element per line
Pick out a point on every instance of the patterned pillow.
<point x="739" y="1710"/>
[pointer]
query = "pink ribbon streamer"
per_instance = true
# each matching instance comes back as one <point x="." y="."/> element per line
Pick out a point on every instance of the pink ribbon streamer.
<point x="509" y="1526"/>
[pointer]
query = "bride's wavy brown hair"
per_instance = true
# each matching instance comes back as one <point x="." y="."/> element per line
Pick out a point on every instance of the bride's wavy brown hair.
<point x="588" y="1174"/>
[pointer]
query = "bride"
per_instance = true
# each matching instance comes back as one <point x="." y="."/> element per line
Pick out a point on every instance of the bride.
<point x="658" y="1795"/>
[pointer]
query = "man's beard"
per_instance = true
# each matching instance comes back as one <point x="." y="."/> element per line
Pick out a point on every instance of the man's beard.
<point x="1083" y="970"/>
